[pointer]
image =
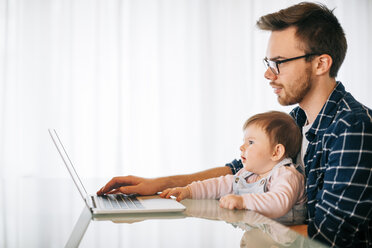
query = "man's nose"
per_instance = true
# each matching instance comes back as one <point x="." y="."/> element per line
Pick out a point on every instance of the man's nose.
<point x="269" y="75"/>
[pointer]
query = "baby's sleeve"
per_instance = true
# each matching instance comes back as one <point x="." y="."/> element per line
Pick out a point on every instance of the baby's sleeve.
<point x="212" y="188"/>
<point x="285" y="189"/>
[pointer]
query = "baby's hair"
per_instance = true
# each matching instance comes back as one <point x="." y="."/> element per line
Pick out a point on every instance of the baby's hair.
<point x="280" y="128"/>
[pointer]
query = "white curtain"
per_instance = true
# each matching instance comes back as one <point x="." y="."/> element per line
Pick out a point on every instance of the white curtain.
<point x="142" y="87"/>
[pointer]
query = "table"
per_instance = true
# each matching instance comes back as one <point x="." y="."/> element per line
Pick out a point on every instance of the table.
<point x="50" y="213"/>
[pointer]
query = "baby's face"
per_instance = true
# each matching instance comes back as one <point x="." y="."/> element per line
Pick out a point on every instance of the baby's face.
<point x="256" y="152"/>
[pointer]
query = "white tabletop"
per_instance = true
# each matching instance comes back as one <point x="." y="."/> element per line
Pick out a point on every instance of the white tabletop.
<point x="40" y="212"/>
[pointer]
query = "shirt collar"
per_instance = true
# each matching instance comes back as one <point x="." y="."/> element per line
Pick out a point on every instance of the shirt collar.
<point x="326" y="114"/>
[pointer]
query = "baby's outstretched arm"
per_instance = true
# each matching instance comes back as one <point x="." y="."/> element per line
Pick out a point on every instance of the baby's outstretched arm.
<point x="179" y="192"/>
<point x="232" y="202"/>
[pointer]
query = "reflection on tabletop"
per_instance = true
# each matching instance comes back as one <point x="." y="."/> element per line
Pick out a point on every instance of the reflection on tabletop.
<point x="259" y="231"/>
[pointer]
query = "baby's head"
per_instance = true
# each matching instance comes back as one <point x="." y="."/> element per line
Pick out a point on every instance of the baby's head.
<point x="268" y="138"/>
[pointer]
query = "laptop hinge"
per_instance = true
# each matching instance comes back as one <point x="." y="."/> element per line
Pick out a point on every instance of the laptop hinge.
<point x="90" y="202"/>
<point x="93" y="202"/>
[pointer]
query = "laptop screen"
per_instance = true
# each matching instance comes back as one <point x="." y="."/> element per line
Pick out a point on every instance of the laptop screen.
<point x="66" y="159"/>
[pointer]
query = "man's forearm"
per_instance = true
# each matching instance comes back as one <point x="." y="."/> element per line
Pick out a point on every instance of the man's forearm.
<point x="183" y="180"/>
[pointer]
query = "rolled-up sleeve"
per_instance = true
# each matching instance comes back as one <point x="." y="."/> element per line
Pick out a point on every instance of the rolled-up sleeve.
<point x="235" y="165"/>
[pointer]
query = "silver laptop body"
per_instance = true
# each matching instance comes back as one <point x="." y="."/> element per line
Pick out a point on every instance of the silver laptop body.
<point x="119" y="203"/>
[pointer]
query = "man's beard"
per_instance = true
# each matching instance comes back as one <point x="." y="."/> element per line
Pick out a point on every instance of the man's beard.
<point x="299" y="88"/>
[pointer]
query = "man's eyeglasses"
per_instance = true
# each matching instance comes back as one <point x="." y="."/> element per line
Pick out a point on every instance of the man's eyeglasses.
<point x="274" y="65"/>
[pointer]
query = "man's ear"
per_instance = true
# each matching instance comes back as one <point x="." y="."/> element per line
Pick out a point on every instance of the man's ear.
<point x="278" y="153"/>
<point x="322" y="64"/>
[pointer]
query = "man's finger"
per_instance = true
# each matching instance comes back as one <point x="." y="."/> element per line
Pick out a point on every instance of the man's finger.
<point x="114" y="183"/>
<point x="115" y="191"/>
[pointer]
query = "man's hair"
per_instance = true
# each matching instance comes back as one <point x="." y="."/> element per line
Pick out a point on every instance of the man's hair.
<point x="280" y="128"/>
<point x="317" y="27"/>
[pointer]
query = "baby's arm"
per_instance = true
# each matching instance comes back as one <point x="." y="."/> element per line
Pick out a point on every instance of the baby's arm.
<point x="212" y="188"/>
<point x="207" y="189"/>
<point x="285" y="190"/>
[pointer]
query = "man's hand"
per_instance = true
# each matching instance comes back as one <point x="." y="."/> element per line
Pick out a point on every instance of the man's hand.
<point x="232" y="202"/>
<point x="133" y="185"/>
<point x="180" y="192"/>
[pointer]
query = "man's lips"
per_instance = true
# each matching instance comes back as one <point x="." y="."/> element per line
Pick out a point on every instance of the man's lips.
<point x="277" y="88"/>
<point x="243" y="158"/>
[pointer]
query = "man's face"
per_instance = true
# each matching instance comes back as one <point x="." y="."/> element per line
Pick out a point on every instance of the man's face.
<point x="294" y="80"/>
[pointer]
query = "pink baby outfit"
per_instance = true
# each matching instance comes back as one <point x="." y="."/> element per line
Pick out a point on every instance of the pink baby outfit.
<point x="279" y="194"/>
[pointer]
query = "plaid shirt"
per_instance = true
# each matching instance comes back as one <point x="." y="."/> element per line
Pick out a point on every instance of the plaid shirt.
<point x="338" y="166"/>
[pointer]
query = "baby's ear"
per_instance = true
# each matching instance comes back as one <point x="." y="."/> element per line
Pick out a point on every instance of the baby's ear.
<point x="278" y="153"/>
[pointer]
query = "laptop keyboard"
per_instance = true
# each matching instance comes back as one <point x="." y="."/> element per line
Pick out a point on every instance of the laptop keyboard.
<point x="120" y="201"/>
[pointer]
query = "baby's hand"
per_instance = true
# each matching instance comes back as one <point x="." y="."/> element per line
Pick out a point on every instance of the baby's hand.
<point x="232" y="202"/>
<point x="180" y="192"/>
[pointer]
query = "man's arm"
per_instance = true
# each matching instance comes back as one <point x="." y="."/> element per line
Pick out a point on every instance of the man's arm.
<point x="150" y="186"/>
<point x="343" y="210"/>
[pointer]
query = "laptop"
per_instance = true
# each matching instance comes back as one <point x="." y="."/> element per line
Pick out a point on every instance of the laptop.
<point x="115" y="203"/>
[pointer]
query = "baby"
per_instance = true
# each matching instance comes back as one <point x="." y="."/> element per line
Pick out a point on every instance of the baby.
<point x="269" y="182"/>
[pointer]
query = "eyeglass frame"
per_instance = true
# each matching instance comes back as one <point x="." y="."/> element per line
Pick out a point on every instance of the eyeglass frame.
<point x="268" y="62"/>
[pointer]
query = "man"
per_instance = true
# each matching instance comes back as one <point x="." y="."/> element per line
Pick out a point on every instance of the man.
<point x="306" y="48"/>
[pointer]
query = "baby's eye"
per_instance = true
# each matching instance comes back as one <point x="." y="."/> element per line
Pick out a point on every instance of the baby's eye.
<point x="250" y="142"/>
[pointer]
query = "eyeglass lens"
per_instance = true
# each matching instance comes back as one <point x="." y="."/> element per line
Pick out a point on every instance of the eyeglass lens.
<point x="272" y="65"/>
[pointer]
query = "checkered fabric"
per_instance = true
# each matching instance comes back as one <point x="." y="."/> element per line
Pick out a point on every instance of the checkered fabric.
<point x="338" y="166"/>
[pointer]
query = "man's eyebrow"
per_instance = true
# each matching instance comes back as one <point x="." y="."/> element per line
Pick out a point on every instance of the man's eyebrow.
<point x="276" y="58"/>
